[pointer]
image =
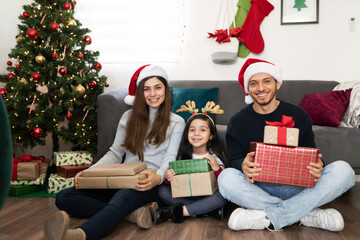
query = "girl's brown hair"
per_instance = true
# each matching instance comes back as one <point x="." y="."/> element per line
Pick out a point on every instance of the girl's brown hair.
<point x="138" y="122"/>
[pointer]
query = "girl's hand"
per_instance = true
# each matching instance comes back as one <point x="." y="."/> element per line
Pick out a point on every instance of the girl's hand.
<point x="151" y="181"/>
<point x="213" y="164"/>
<point x="79" y="174"/>
<point x="169" y="174"/>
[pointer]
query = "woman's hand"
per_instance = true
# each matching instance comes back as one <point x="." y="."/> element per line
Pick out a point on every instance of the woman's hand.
<point x="169" y="174"/>
<point x="212" y="162"/>
<point x="316" y="169"/>
<point x="79" y="174"/>
<point x="250" y="169"/>
<point x="151" y="181"/>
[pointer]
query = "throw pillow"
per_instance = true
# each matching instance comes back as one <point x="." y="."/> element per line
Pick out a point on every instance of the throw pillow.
<point x="326" y="109"/>
<point x="199" y="95"/>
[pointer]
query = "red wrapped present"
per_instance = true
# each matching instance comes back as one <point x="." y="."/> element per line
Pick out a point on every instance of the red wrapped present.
<point x="284" y="165"/>
<point x="68" y="171"/>
<point x="281" y="133"/>
<point x="28" y="167"/>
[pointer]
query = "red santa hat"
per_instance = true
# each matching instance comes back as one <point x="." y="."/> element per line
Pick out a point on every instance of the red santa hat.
<point x="253" y="66"/>
<point x="140" y="74"/>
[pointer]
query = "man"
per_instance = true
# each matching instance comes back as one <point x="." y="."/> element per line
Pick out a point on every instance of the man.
<point x="265" y="205"/>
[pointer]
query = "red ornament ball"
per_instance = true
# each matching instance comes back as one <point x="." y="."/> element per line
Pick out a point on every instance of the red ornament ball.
<point x="32" y="33"/>
<point x="54" y="55"/>
<point x="3" y="92"/>
<point x="92" y="84"/>
<point x="68" y="115"/>
<point x="26" y="15"/>
<point x="80" y="55"/>
<point x="62" y="71"/>
<point x="67" y="6"/>
<point x="74" y="2"/>
<point x="17" y="66"/>
<point x="106" y="84"/>
<point x="54" y="26"/>
<point x="10" y="75"/>
<point x="9" y="63"/>
<point x="37" y="132"/>
<point x="36" y="76"/>
<point x="97" y="66"/>
<point x="87" y="39"/>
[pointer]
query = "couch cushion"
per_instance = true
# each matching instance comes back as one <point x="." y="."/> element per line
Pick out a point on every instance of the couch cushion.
<point x="326" y="109"/>
<point x="199" y="95"/>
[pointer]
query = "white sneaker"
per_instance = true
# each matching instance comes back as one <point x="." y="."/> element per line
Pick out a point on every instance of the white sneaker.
<point x="328" y="219"/>
<point x="242" y="219"/>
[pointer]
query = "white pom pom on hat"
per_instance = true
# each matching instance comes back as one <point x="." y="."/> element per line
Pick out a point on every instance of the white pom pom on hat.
<point x="143" y="72"/>
<point x="253" y="66"/>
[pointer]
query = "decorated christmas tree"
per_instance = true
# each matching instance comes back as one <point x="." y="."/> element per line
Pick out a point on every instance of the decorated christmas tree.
<point x="53" y="81"/>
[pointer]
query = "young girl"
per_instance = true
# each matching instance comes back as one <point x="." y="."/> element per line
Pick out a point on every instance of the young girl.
<point x="200" y="140"/>
<point x="150" y="133"/>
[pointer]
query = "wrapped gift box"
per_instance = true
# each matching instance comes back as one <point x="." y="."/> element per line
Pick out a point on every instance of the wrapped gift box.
<point x="74" y="158"/>
<point x="26" y="170"/>
<point x="107" y="170"/>
<point x="112" y="182"/>
<point x="39" y="181"/>
<point x="194" y="184"/>
<point x="19" y="190"/>
<point x="190" y="166"/>
<point x="281" y="136"/>
<point x="67" y="171"/>
<point x="57" y="183"/>
<point x="284" y="165"/>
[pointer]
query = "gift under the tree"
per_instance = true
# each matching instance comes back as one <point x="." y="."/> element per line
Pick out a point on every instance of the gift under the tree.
<point x="193" y="184"/>
<point x="190" y="166"/>
<point x="19" y="190"/>
<point x="39" y="181"/>
<point x="107" y="170"/>
<point x="282" y="133"/>
<point x="57" y="183"/>
<point x="112" y="182"/>
<point x="284" y="165"/>
<point x="28" y="167"/>
<point x="68" y="171"/>
<point x="74" y="158"/>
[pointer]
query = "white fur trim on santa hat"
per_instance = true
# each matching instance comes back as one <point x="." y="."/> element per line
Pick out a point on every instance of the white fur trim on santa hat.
<point x="129" y="100"/>
<point x="261" y="67"/>
<point x="150" y="71"/>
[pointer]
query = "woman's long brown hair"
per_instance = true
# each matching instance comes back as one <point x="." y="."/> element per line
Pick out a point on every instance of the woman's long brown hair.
<point x="138" y="122"/>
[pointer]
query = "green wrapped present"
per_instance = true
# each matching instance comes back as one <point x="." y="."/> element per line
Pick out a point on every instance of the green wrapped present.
<point x="190" y="166"/>
<point x="72" y="158"/>
<point x="19" y="190"/>
<point x="57" y="183"/>
<point x="39" y="181"/>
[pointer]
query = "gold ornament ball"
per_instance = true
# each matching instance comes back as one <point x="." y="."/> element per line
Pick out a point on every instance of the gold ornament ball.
<point x="19" y="38"/>
<point x="40" y="59"/>
<point x="80" y="89"/>
<point x="24" y="81"/>
<point x="71" y="22"/>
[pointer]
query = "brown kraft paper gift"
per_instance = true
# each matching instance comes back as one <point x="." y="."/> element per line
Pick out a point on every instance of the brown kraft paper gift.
<point x="107" y="170"/>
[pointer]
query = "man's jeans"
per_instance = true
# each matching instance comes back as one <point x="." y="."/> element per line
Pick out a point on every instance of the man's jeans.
<point x="283" y="204"/>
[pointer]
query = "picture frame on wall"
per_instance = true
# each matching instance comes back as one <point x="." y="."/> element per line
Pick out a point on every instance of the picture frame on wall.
<point x="299" y="11"/>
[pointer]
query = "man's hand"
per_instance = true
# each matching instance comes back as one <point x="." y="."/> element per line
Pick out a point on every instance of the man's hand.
<point x="79" y="174"/>
<point x="250" y="169"/>
<point x="316" y="169"/>
<point x="151" y="181"/>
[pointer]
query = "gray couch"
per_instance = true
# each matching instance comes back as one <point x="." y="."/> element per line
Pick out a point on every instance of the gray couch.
<point x="334" y="142"/>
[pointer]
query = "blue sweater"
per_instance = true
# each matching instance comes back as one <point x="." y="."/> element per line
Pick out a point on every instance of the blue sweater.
<point x="247" y="126"/>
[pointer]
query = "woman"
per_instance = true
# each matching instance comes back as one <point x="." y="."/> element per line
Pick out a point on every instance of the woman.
<point x="150" y="133"/>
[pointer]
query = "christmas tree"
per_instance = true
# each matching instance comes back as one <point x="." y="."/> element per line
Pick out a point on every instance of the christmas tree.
<point x="299" y="4"/>
<point x="52" y="82"/>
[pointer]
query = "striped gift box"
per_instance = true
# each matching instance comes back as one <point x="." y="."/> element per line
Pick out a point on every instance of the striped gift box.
<point x="284" y="165"/>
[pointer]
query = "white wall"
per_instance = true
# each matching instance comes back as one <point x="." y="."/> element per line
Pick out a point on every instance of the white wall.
<point x="324" y="51"/>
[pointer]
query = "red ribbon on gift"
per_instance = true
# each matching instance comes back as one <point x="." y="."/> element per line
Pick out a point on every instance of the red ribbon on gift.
<point x="286" y="122"/>
<point x="26" y="158"/>
<point x="221" y="35"/>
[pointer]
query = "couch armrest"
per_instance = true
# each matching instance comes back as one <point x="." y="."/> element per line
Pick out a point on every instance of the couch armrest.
<point x="110" y="107"/>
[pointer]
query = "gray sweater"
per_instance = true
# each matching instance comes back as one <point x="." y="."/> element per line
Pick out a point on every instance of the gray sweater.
<point x="154" y="157"/>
